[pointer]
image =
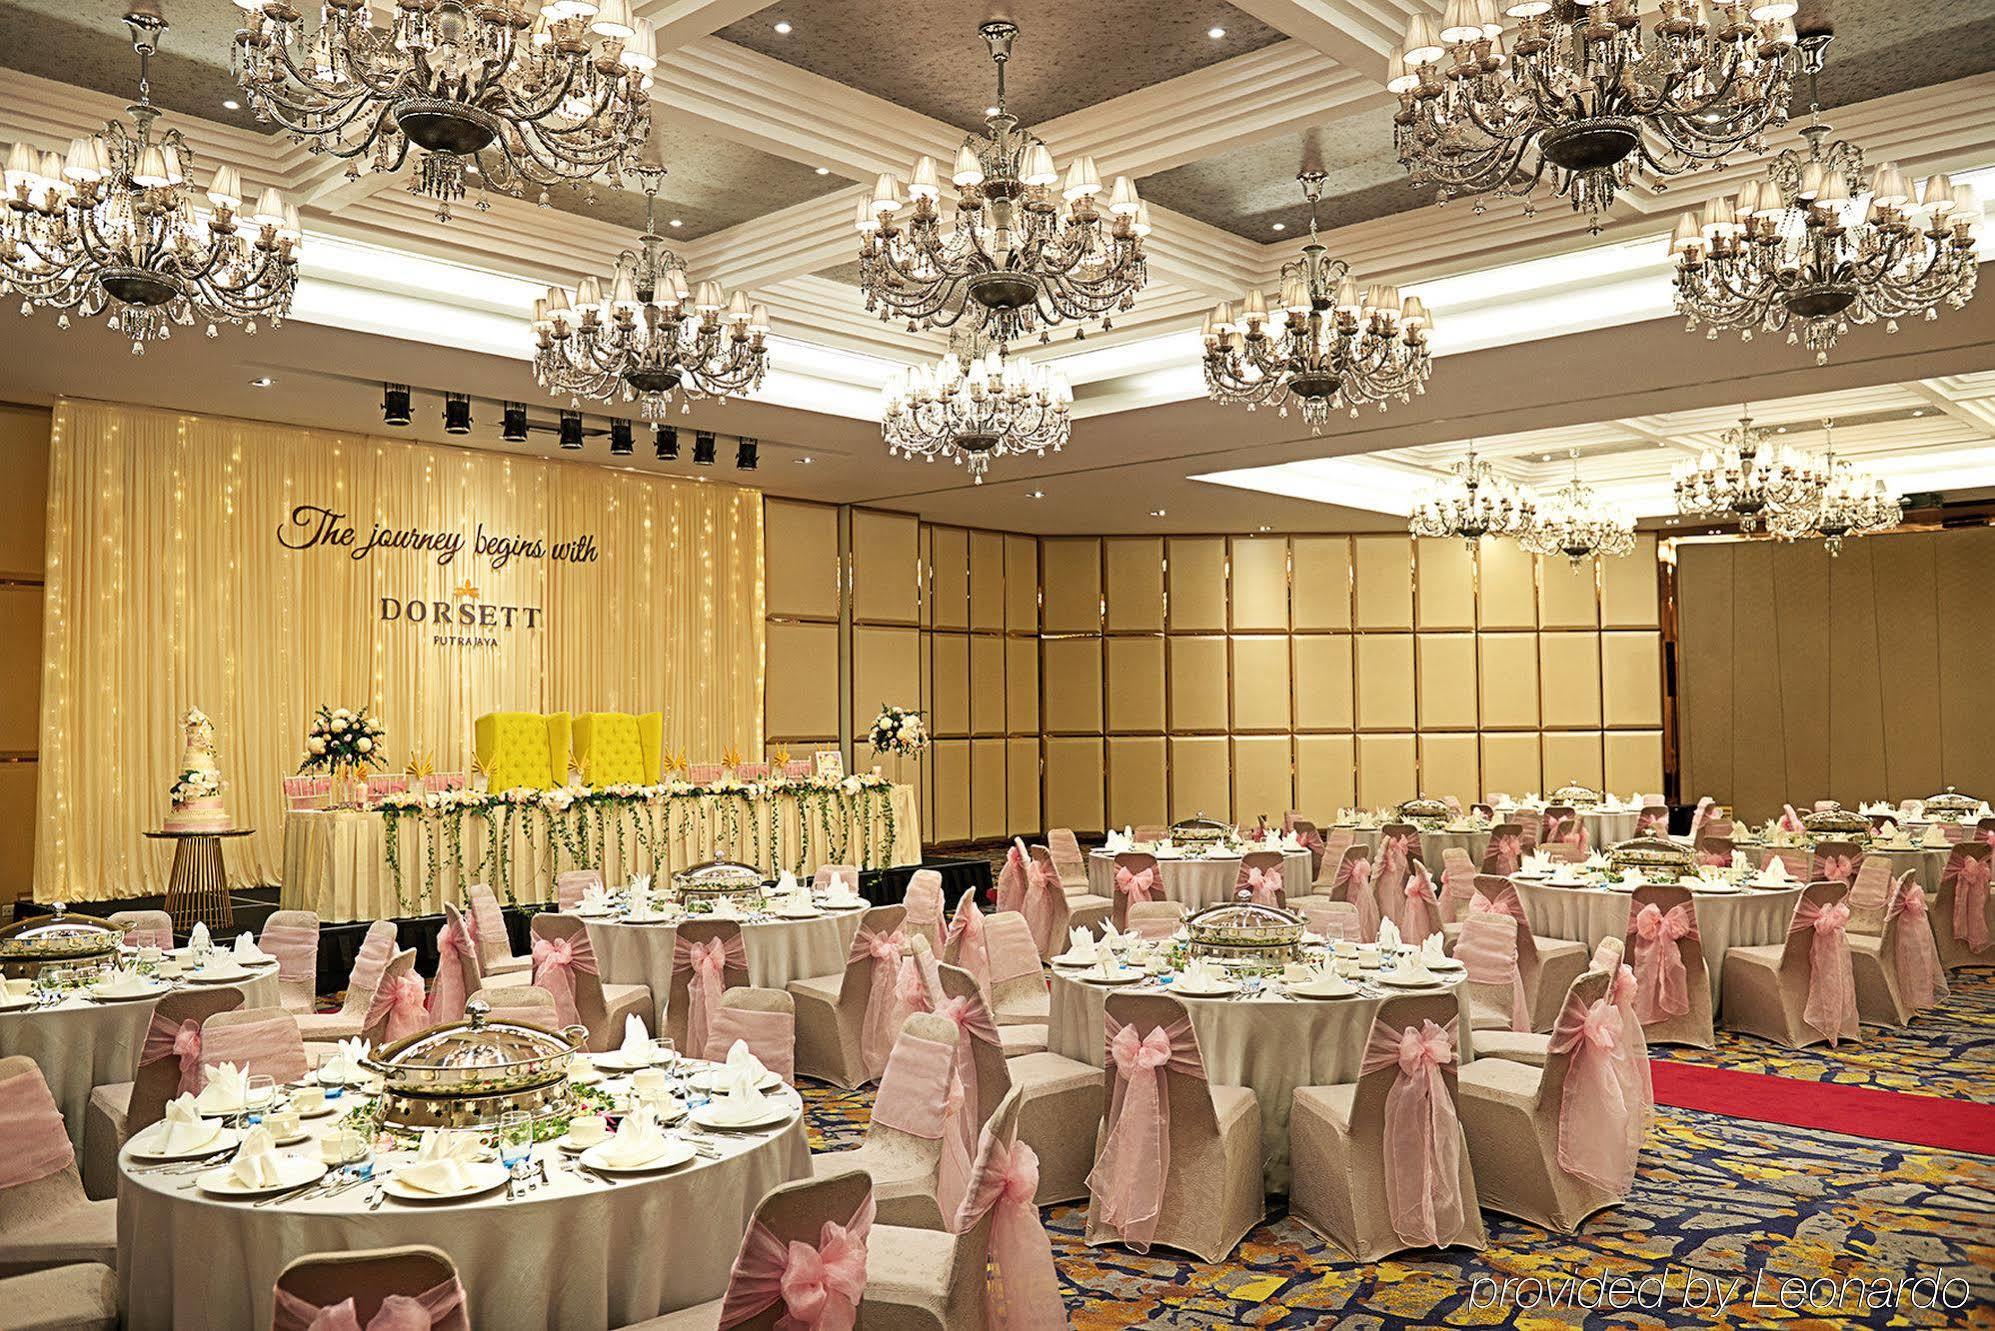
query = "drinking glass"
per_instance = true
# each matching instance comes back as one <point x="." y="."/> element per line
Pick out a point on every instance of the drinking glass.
<point x="259" y="1094"/>
<point x="515" y="1140"/>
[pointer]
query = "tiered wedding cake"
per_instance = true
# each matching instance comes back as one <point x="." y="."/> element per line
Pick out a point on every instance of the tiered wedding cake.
<point x="197" y="794"/>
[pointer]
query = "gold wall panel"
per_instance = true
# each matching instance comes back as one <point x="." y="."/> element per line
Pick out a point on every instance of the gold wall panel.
<point x="949" y="700"/>
<point x="21" y="663"/>
<point x="1447" y="681"/>
<point x="1383" y="573"/>
<point x="948" y="814"/>
<point x="1568" y="597"/>
<point x="1325" y="775"/>
<point x="1507" y="596"/>
<point x="1021" y="775"/>
<point x="1512" y="764"/>
<point x="1385" y="681"/>
<point x="1074" y="784"/>
<point x="1021" y="685"/>
<point x="886" y="668"/>
<point x="986" y="580"/>
<point x="1201" y="777"/>
<point x="948" y="577"/>
<point x="1446" y="596"/>
<point x="1569" y="668"/>
<point x="1021" y="584"/>
<point x="1260" y="683"/>
<point x="1386" y="769"/>
<point x="1070" y="675"/>
<point x="800" y="554"/>
<point x="1262" y="783"/>
<point x="800" y="687"/>
<point x="1629" y="597"/>
<point x="886" y="567"/>
<point x="1966" y="667"/>
<point x="1260" y="584"/>
<point x="1070" y="575"/>
<point x="1323" y="682"/>
<point x="1631" y="678"/>
<point x="987" y="789"/>
<point x="1197" y="583"/>
<point x="986" y="684"/>
<point x="1135" y="685"/>
<point x="1321" y="598"/>
<point x="18" y="825"/>
<point x="1450" y="765"/>
<point x="1634" y="761"/>
<point x="1509" y="668"/>
<point x="1573" y="755"/>
<point x="1133" y="568"/>
<point x="1137" y="791"/>
<point x="1198" y="684"/>
<point x="24" y="439"/>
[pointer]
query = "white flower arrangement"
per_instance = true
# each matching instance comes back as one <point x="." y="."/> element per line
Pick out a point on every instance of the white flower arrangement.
<point x="340" y="738"/>
<point x="900" y="731"/>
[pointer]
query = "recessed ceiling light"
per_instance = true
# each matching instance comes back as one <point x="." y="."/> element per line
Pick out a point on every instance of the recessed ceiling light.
<point x="1265" y="527"/>
<point x="1281" y="226"/>
<point x="1036" y="494"/>
<point x="1919" y="412"/>
<point x="261" y="381"/>
<point x="675" y="222"/>
<point x="1544" y="457"/>
<point x="824" y="170"/>
<point x="231" y="104"/>
<point x="1780" y="429"/>
<point x="805" y="460"/>
<point x="1156" y="512"/>
<point x="1215" y="33"/>
<point x="990" y="111"/>
<point x="782" y="28"/>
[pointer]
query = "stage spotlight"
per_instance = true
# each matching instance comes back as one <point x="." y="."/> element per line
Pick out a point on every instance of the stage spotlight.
<point x="744" y="454"/>
<point x="620" y="440"/>
<point x="456" y="413"/>
<point x="512" y="427"/>
<point x="703" y="448"/>
<point x="571" y="429"/>
<point x="395" y="404"/>
<point x="665" y="439"/>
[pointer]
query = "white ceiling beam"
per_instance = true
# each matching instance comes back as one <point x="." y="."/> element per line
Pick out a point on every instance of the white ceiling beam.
<point x="1975" y="415"/>
<point x="677" y="22"/>
<point x="1358" y="34"/>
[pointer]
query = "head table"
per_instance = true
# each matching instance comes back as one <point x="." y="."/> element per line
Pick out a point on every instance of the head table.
<point x="578" y="1251"/>
<point x="1198" y="881"/>
<point x="778" y="951"/>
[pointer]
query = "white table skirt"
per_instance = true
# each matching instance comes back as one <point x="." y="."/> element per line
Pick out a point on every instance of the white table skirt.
<point x="1605" y="827"/>
<point x="1724" y="920"/>
<point x="1432" y="844"/>
<point x="574" y="1254"/>
<point x="82" y="1045"/>
<point x="779" y="951"/>
<point x="1202" y="882"/>
<point x="1271" y="1045"/>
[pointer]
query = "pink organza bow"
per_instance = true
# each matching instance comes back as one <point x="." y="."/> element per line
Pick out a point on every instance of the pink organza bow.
<point x="446" y="997"/>
<point x="163" y="1039"/>
<point x="1790" y="821"/>
<point x="819" y="1287"/>
<point x="1397" y="851"/>
<point x="1011" y="878"/>
<point x="1420" y="909"/>
<point x="398" y="1312"/>
<point x="1022" y="1290"/>
<point x="1632" y="1049"/>
<point x="881" y="1025"/>
<point x="1140" y="886"/>
<point x="1831" y="1005"/>
<point x="911" y="990"/>
<point x="1128" y="1177"/>
<point x="1265" y="886"/>
<point x="1505" y="853"/>
<point x="1921" y="977"/>
<point x="1600" y="1131"/>
<point x="1836" y="869"/>
<point x="1662" y="984"/>
<point x="1505" y="902"/>
<point x="966" y="931"/>
<point x="1423" y="1135"/>
<point x="962" y="1113"/>
<point x="708" y="963"/>
<point x="1354" y="884"/>
<point x="399" y="1004"/>
<point x="1970" y="900"/>
<point x="555" y="962"/>
<point x="1045" y="900"/>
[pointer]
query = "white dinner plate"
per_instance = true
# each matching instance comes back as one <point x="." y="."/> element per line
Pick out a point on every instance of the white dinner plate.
<point x="811" y="914"/>
<point x="593" y="1076"/>
<point x="294" y="1171"/>
<point x="1530" y="875"/>
<point x="676" y="1153"/>
<point x="143" y="1147"/>
<point x="1126" y="977"/>
<point x="325" y="1107"/>
<point x="217" y="977"/>
<point x="1217" y="991"/>
<point x="615" y="1058"/>
<point x="604" y="913"/>
<point x="485" y="1176"/>
<point x="705" y="1081"/>
<point x="778" y="1113"/>
<point x="1324" y="996"/>
<point x="9" y="1004"/>
<point x="843" y="905"/>
<point x="98" y="996"/>
<point x="328" y="1077"/>
<point x="1444" y="964"/>
<point x="1408" y="982"/>
<point x="1719" y="889"/>
<point x="1068" y="959"/>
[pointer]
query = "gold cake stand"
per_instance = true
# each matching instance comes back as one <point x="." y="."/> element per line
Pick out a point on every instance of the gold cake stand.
<point x="197" y="886"/>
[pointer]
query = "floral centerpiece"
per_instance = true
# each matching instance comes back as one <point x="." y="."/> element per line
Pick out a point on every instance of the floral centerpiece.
<point x="340" y="740"/>
<point x="899" y="731"/>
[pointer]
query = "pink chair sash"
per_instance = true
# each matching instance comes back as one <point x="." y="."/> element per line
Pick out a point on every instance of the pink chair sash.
<point x="1650" y="823"/>
<point x="1045" y="901"/>
<point x="819" y="1287"/>
<point x="1831" y="1005"/>
<point x="1662" y="985"/>
<point x="1969" y="880"/>
<point x="398" y="1312"/>
<point x="962" y="1112"/>
<point x="1921" y="977"/>
<point x="1504" y="854"/>
<point x="398" y="1002"/>
<point x="1632" y="1051"/>
<point x="770" y="1036"/>
<point x="1790" y="821"/>
<point x="1423" y="1135"/>
<point x="966" y="931"/>
<point x="555" y="962"/>
<point x="1012" y="878"/>
<point x="1022" y="1292"/>
<point x="31" y="1126"/>
<point x="1487" y="950"/>
<point x="1836" y="868"/>
<point x="1419" y="909"/>
<point x="924" y="906"/>
<point x="882" y="1022"/>
<point x="1354" y="884"/>
<point x="270" y="1047"/>
<point x="377" y="949"/>
<point x="708" y="963"/>
<point x="1457" y="885"/>
<point x="296" y="947"/>
<point x="1128" y="1177"/>
<point x="165" y="1040"/>
<point x="1137" y="886"/>
<point x="1600" y="1130"/>
<point x="914" y="1090"/>
<point x="1265" y="885"/>
<point x="1505" y="902"/>
<point x="569" y="887"/>
<point x="447" y="995"/>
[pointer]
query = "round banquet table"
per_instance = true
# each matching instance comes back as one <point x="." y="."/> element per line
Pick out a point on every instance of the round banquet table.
<point x="1202" y="882"/>
<point x="1432" y="844"/>
<point x="574" y="1253"/>
<point x="81" y="1044"/>
<point x="779" y="951"/>
<point x="1608" y="827"/>
<point x="1270" y="1043"/>
<point x="1748" y="918"/>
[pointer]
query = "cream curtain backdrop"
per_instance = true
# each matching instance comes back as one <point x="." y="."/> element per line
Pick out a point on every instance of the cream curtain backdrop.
<point x="168" y="588"/>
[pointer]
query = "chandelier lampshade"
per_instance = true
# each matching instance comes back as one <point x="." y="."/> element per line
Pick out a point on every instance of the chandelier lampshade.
<point x="519" y="98"/>
<point x="1849" y="502"/>
<point x="1472" y="503"/>
<point x="1748" y="477"/>
<point x="1576" y="522"/>
<point x="1505" y="94"/>
<point x="118" y="228"/>
<point x="1030" y="248"/>
<point x="974" y="406"/>
<point x="1327" y="345"/>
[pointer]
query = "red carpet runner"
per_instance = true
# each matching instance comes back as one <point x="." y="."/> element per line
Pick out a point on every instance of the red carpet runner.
<point x="1893" y="1116"/>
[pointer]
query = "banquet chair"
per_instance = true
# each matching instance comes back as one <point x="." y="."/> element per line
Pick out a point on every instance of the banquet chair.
<point x="519" y="1002"/>
<point x="831" y="1009"/>
<point x="1261" y="862"/>
<point x="1018" y="983"/>
<point x="144" y="928"/>
<point x="734" y="971"/>
<point x="1673" y="926"/>
<point x="382" y="1024"/>
<point x="1515" y="1116"/>
<point x="1562" y="826"/>
<point x="571" y="885"/>
<point x="923" y="900"/>
<point x="320" y="1281"/>
<point x="1060" y="1100"/>
<point x="1405" y="835"/>
<point x="1065" y="848"/>
<point x="1074" y="908"/>
<point x="1897" y="970"/>
<point x="1963" y="931"/>
<point x="458" y="974"/>
<point x="787" y="1215"/>
<point x="763" y="1019"/>
<point x="1337" y="920"/>
<point x="1870" y="896"/>
<point x="1714" y="850"/>
<point x="601" y="1007"/>
<point x="1353" y="884"/>
<point x="1457" y="884"/>
<point x="1334" y="846"/>
<point x="82" y="1297"/>
<point x="1652" y="821"/>
<point x="1835" y="861"/>
<point x="1310" y="837"/>
<point x="963" y="945"/>
<point x="376" y="950"/>
<point x="1486" y="945"/>
<point x="45" y="1218"/>
<point x="1415" y="908"/>
<point x="1548" y="964"/>
<point x="495" y="946"/>
<point x="1210" y="1194"/>
<point x="119" y="1109"/>
<point x="902" y="1152"/>
<point x="1339" y="1153"/>
<point x="1529" y="823"/>
<point x="1132" y="887"/>
<point x="989" y="1068"/>
<point x="1769" y="990"/>
<point x="828" y="873"/>
<point x="1155" y="919"/>
<point x="1022" y="1024"/>
<point x="292" y="936"/>
<point x="262" y="1041"/>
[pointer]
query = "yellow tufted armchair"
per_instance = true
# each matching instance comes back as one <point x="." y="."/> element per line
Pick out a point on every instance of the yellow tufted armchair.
<point x="522" y="749"/>
<point x="618" y="749"/>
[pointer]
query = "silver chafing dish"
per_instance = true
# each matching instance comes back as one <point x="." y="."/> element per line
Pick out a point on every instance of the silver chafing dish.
<point x="704" y="886"/>
<point x="1951" y="807"/>
<point x="1426" y="812"/>
<point x="1836" y="823"/>
<point x="59" y="939"/>
<point x="1243" y="931"/>
<point x="1200" y="831"/>
<point x="1575" y="794"/>
<point x="1658" y="858"/>
<point x="465" y="1074"/>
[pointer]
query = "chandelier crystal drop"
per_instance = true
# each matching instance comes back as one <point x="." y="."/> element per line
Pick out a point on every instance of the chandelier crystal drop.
<point x="1327" y="346"/>
<point x="1848" y="503"/>
<point x="1574" y="92"/>
<point x="1472" y="503"/>
<point x="647" y="333"/>
<point x="1748" y="477"/>
<point x="1576" y="522"/>
<point x="1802" y="249"/>
<point x="1029" y="249"/>
<point x="490" y="89"/>
<point x="117" y="228"/>
<point x="976" y="405"/>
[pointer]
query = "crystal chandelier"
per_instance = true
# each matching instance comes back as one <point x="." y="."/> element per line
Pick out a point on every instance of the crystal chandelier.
<point x="1798" y="250"/>
<point x="1326" y="347"/>
<point x="1749" y="477"/>
<point x="975" y="405"/>
<point x="114" y="229"/>
<point x="651" y="334"/>
<point x="1849" y="503"/>
<point x="1026" y="249"/>
<point x="1472" y="503"/>
<point x="1576" y="522"/>
<point x="1582" y="97"/>
<point x="490" y="88"/>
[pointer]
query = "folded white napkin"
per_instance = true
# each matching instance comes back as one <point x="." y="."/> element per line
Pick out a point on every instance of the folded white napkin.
<point x="1411" y="965"/>
<point x="1431" y="951"/>
<point x="1775" y="870"/>
<point x="1080" y="945"/>
<point x="1388" y="934"/>
<point x="1566" y="873"/>
<point x="1739" y="860"/>
<point x="637" y="1042"/>
<point x="257" y="1163"/>
<point x="1291" y="842"/>
<point x="1984" y="811"/>
<point x="1596" y="861"/>
<point x="724" y="909"/>
<point x="122" y="982"/>
<point x="742" y="1060"/>
<point x="738" y="1097"/>
<point x="198" y="937"/>
<point x="1163" y="846"/>
<point x="246" y="949"/>
<point x="345" y="1061"/>
<point x="1538" y="862"/>
<point x="1116" y="843"/>
<point x="1201" y="974"/>
<point x="640" y="896"/>
<point x="594" y="900"/>
<point x="184" y="1129"/>
<point x="639" y="1140"/>
<point x="641" y="882"/>
<point x="1113" y="938"/>
<point x="1933" y="837"/>
<point x="1634" y="877"/>
<point x="225" y="1091"/>
<point x="441" y="1162"/>
<point x="786" y="884"/>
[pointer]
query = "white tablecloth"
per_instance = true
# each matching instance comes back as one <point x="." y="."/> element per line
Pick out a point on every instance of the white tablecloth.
<point x="779" y="951"/>
<point x="1432" y="844"/>
<point x="1606" y="827"/>
<point x="80" y="1045"/>
<point x="574" y="1254"/>
<point x="1270" y="1044"/>
<point x="1202" y="882"/>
